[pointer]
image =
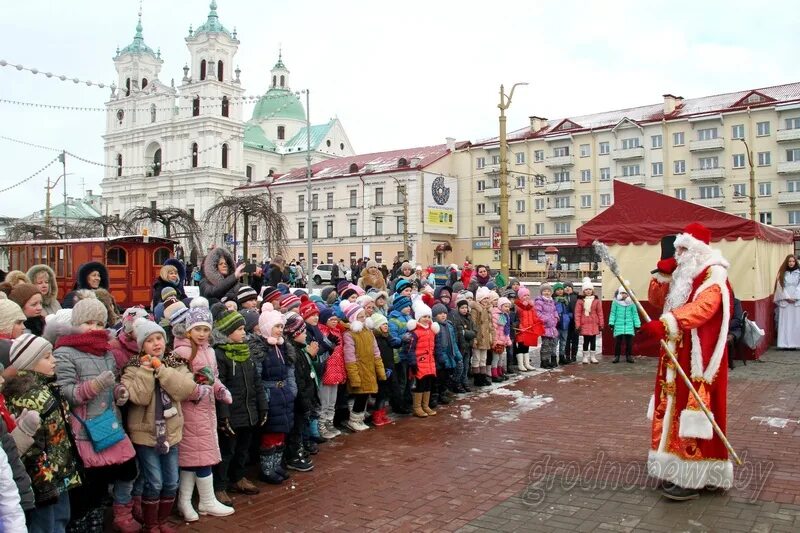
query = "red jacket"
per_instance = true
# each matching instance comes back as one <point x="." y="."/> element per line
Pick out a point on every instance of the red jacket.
<point x="530" y="327"/>
<point x="422" y="348"/>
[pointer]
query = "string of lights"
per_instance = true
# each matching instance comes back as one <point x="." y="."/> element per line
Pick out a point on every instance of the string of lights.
<point x="31" y="176"/>
<point x="112" y="109"/>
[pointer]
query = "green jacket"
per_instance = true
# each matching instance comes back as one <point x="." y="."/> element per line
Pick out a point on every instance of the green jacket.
<point x="624" y="319"/>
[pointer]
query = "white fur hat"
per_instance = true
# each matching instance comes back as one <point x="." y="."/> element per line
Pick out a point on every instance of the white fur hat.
<point x="482" y="293"/>
<point x="420" y="309"/>
<point x="587" y="284"/>
<point x="503" y="301"/>
<point x="270" y="318"/>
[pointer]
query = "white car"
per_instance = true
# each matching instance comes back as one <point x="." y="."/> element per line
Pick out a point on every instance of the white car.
<point x="322" y="274"/>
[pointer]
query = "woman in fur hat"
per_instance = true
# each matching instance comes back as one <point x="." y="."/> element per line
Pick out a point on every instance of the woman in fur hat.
<point x="90" y="276"/>
<point x="220" y="275"/>
<point x="372" y="277"/>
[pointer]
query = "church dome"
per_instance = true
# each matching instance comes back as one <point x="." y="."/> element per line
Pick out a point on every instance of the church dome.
<point x="279" y="103"/>
<point x="137" y="46"/>
<point x="212" y="24"/>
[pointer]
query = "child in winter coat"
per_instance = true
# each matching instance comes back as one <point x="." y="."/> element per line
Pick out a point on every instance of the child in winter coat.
<point x="589" y="320"/>
<point x="465" y="337"/>
<point x="51" y="458"/>
<point x="333" y="373"/>
<point x="571" y="351"/>
<point x="16" y="438"/>
<point x="267" y="348"/>
<point x="529" y="329"/>
<point x="300" y="353"/>
<point x="398" y="319"/>
<point x="501" y="321"/>
<point x="624" y="320"/>
<point x="422" y="351"/>
<point x="317" y="429"/>
<point x="449" y="362"/>
<point x="157" y="383"/>
<point x="481" y="313"/>
<point x="363" y="363"/>
<point x="199" y="449"/>
<point x="387" y="389"/>
<point x="239" y="421"/>
<point x="124" y="345"/>
<point x="564" y="320"/>
<point x="546" y="310"/>
<point x="85" y="371"/>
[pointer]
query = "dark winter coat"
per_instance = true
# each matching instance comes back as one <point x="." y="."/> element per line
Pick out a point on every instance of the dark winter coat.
<point x="275" y="371"/>
<point x="446" y="347"/>
<point x="243" y="380"/>
<point x="82" y="281"/>
<point x="160" y="283"/>
<point x="214" y="285"/>
<point x="21" y="477"/>
<point x="325" y="348"/>
<point x="385" y="347"/>
<point x="277" y="275"/>
<point x="305" y="376"/>
<point x="465" y="330"/>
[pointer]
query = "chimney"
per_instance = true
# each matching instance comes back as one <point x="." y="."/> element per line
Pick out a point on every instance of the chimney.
<point x="537" y="123"/>
<point x="88" y="193"/>
<point x="670" y="103"/>
<point x="451" y="143"/>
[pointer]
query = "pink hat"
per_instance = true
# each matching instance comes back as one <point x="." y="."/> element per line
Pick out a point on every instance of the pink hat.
<point x="523" y="291"/>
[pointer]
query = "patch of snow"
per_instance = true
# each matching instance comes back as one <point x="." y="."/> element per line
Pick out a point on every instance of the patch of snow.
<point x="521" y="404"/>
<point x="466" y="412"/>
<point x="509" y="441"/>
<point x="773" y="422"/>
<point x="475" y="450"/>
<point x="570" y="379"/>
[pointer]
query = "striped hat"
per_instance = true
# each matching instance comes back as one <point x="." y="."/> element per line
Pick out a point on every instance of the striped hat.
<point x="289" y="302"/>
<point x="27" y="349"/>
<point x="226" y="322"/>
<point x="295" y="325"/>
<point x="176" y="313"/>
<point x="270" y="294"/>
<point x="246" y="293"/>
<point x="307" y="307"/>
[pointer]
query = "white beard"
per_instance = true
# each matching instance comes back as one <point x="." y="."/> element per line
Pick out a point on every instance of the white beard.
<point x="690" y="264"/>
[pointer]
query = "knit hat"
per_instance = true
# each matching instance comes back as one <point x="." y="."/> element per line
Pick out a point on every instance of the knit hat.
<point x="295" y="325"/>
<point x="466" y="295"/>
<point x="401" y="284"/>
<point x="438" y="309"/>
<point x="316" y="298"/>
<point x="199" y="314"/>
<point x="378" y="320"/>
<point x="457" y="287"/>
<point x="482" y="293"/>
<point x="10" y="314"/>
<point x="269" y="318"/>
<point x="144" y="328"/>
<point x="406" y="265"/>
<point x="283" y="288"/>
<point x="22" y="293"/>
<point x="27" y="349"/>
<point x="503" y="301"/>
<point x="349" y="291"/>
<point x="90" y="309"/>
<point x="365" y="300"/>
<point x="176" y="313"/>
<point x="523" y="292"/>
<point x="351" y="311"/>
<point x="342" y="285"/>
<point x="372" y="264"/>
<point x="558" y="285"/>
<point x="226" y="322"/>
<point x="250" y="317"/>
<point x="270" y="294"/>
<point x="129" y="318"/>
<point x="329" y="295"/>
<point x="307" y="308"/>
<point x="289" y="302"/>
<point x="545" y="287"/>
<point x="375" y="294"/>
<point x="567" y="284"/>
<point x="461" y="300"/>
<point x="358" y="290"/>
<point x="166" y="292"/>
<point x="401" y="302"/>
<point x="420" y="309"/>
<point x="325" y="315"/>
<point x="587" y="284"/>
<point x="246" y="293"/>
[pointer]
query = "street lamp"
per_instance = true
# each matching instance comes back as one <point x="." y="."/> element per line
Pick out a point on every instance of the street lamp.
<point x="752" y="180"/>
<point x="505" y="102"/>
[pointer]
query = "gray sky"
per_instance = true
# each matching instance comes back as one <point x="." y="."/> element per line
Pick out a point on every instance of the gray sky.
<point x="398" y="74"/>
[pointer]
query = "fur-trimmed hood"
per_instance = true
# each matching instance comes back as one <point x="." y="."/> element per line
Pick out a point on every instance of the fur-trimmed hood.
<point x="210" y="272"/>
<point x="21" y="383"/>
<point x="86" y="269"/>
<point x="52" y="294"/>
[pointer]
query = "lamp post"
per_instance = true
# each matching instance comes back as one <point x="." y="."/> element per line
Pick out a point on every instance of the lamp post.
<point x="505" y="102"/>
<point x="752" y="180"/>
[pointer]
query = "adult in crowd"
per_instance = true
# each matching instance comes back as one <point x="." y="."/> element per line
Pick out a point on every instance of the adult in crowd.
<point x="45" y="280"/>
<point x="466" y="273"/>
<point x="278" y="272"/>
<point x="371" y="277"/>
<point x="16" y="277"/>
<point x="787" y="298"/>
<point x="90" y="276"/>
<point x="220" y="275"/>
<point x="173" y="275"/>
<point x="407" y="273"/>
<point x="482" y="275"/>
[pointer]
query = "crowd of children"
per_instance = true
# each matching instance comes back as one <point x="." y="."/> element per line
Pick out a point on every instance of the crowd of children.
<point x="138" y="412"/>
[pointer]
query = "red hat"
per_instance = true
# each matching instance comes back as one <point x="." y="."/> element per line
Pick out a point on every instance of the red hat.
<point x="699" y="232"/>
<point x="307" y="308"/>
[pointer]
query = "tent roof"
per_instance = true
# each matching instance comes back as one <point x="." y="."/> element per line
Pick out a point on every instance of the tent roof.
<point x="642" y="216"/>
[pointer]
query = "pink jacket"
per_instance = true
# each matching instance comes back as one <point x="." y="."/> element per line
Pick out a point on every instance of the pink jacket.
<point x="200" y="445"/>
<point x="589" y="325"/>
<point x="123" y="347"/>
<point x="500" y="336"/>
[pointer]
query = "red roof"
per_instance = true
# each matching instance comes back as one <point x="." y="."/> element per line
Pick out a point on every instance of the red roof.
<point x="641" y="216"/>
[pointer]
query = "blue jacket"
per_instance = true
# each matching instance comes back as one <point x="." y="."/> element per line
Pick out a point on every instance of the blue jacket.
<point x="564" y="315"/>
<point x="276" y="372"/>
<point x="447" y="353"/>
<point x="397" y="329"/>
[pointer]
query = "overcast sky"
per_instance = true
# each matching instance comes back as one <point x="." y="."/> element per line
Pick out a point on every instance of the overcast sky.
<point x="398" y="74"/>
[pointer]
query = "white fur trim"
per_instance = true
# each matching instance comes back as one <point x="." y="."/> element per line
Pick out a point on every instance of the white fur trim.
<point x="717" y="275"/>
<point x="695" y="424"/>
<point x="435" y="327"/>
<point x="690" y="474"/>
<point x="672" y="324"/>
<point x="651" y="407"/>
<point x="356" y="326"/>
<point x="662" y="278"/>
<point x="411" y="324"/>
<point x="669" y="410"/>
<point x="369" y="323"/>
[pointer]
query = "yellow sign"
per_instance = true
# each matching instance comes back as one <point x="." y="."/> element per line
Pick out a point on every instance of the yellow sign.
<point x="444" y="218"/>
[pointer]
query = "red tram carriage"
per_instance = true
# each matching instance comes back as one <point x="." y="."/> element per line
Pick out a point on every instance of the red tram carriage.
<point x="133" y="262"/>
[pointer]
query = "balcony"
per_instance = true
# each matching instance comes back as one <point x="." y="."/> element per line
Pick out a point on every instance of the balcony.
<point x="492" y="192"/>
<point x="560" y="212"/>
<point x="707" y="174"/>
<point x="717" y="143"/>
<point x="493" y="216"/>
<point x="559" y="161"/>
<point x="492" y="169"/>
<point x="560" y="186"/>
<point x="788" y="135"/>
<point x="636" y="152"/>
<point x="718" y="202"/>
<point x="789" y="167"/>
<point x="788" y="197"/>
<point x="636" y="179"/>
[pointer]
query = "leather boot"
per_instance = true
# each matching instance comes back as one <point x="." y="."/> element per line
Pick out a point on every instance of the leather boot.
<point x="616" y="359"/>
<point x="150" y="516"/>
<point x="165" y="506"/>
<point x="426" y="396"/>
<point x="418" y="405"/>
<point x="544" y="362"/>
<point x="629" y="358"/>
<point x="553" y="361"/>
<point x="123" y="518"/>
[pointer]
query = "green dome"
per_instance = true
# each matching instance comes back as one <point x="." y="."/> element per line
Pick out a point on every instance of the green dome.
<point x="279" y="103"/>
<point x="212" y="24"/>
<point x="138" y="46"/>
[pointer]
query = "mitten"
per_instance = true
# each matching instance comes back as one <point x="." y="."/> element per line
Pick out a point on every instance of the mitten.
<point x="204" y="376"/>
<point x="654" y="329"/>
<point x="121" y="394"/>
<point x="202" y="392"/>
<point x="333" y="340"/>
<point x="29" y="422"/>
<point x="225" y="427"/>
<point x="667" y="266"/>
<point x="223" y="395"/>
<point x="103" y="382"/>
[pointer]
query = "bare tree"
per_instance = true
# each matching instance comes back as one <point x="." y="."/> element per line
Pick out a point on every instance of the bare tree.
<point x="254" y="210"/>
<point x="177" y="223"/>
<point x="105" y="226"/>
<point x="27" y="231"/>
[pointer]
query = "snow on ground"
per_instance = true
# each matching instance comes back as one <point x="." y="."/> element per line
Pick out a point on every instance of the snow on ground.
<point x="519" y="405"/>
<point x="570" y="379"/>
<point x="466" y="412"/>
<point x="773" y="422"/>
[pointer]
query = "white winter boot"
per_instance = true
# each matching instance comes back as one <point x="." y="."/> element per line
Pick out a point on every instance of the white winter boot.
<point x="521" y="362"/>
<point x="585" y="360"/>
<point x="528" y="364"/>
<point x="592" y="357"/>
<point x="356" y="422"/>
<point x="208" y="501"/>
<point x="185" y="491"/>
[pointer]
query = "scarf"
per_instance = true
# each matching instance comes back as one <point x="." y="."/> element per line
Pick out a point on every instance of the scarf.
<point x="587" y="305"/>
<point x="236" y="352"/>
<point x="35" y="325"/>
<point x="482" y="280"/>
<point x="94" y="342"/>
<point x="162" y="445"/>
<point x="562" y="299"/>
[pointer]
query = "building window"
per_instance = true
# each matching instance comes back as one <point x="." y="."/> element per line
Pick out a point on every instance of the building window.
<point x="586" y="176"/>
<point x="605" y="200"/>
<point x="157" y="163"/>
<point x="633" y="142"/>
<point x="248" y="172"/>
<point x="520" y="206"/>
<point x="520" y="182"/>
<point x="708" y="162"/>
<point x="481" y="231"/>
<point x="480" y="162"/>
<point x="764" y="188"/>
<point x="220" y="74"/>
<point x="539" y="181"/>
<point x="225" y="103"/>
<point x="586" y="200"/>
<point x="301" y="202"/>
<point x="792" y="155"/>
<point x="561" y="151"/>
<point x="538" y="204"/>
<point x="706" y="134"/>
<point x="116" y="256"/>
<point x="314" y="202"/>
<point x="656" y="141"/>
<point x="279" y="205"/>
<point x="680" y="194"/>
<point x="764" y="159"/>
<point x="585" y="150"/>
<point x="481" y="185"/>
<point x="737" y="131"/>
<point x="561" y="202"/>
<point x="202" y="70"/>
<point x="329" y="200"/>
<point x="762" y="129"/>
<point x="738" y="160"/>
<point x="605" y="174"/>
<point x="301" y="230"/>
<point x="520" y="158"/>
<point x="224" y="156"/>
<point x="329" y="228"/>
<point x="657" y="169"/>
<point x="520" y="230"/>
<point x="539" y="228"/>
<point x="119" y="164"/>
<point x="281" y="133"/>
<point x="538" y="156"/>
<point x="378" y="195"/>
<point x="283" y="80"/>
<point x="314" y="230"/>
<point x="401" y="225"/>
<point x="679" y="166"/>
<point x="677" y="138"/>
<point x="353" y="227"/>
<point x="630" y="170"/>
<point x="793" y="185"/>
<point x="254" y="232"/>
<point x="152" y="112"/>
<point x="481" y="209"/>
<point x="196" y="106"/>
<point x="765" y="217"/>
<point x="794" y="218"/>
<point x="793" y="123"/>
<point x="562" y="228"/>
<point x="353" y="198"/>
<point x="605" y="148"/>
<point x="710" y="191"/>
<point x="561" y="177"/>
<point x="128" y="87"/>
<point x="378" y="225"/>
<point x="495" y="159"/>
<point x="739" y="190"/>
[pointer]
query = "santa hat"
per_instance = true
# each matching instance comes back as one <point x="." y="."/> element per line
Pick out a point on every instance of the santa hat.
<point x="270" y="318"/>
<point x="587" y="284"/>
<point x="694" y="236"/>
<point x="482" y="293"/>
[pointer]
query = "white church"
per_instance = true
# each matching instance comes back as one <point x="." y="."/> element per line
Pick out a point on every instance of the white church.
<point x="187" y="146"/>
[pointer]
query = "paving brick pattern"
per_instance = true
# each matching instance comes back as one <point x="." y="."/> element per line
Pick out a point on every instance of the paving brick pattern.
<point x="554" y="451"/>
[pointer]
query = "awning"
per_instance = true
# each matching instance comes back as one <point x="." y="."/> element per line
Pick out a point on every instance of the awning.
<point x="564" y="241"/>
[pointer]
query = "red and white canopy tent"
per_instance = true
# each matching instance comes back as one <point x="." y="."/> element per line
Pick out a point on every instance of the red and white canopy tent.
<point x="633" y="226"/>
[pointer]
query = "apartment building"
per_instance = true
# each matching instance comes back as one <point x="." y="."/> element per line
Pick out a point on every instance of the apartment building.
<point x="696" y="149"/>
